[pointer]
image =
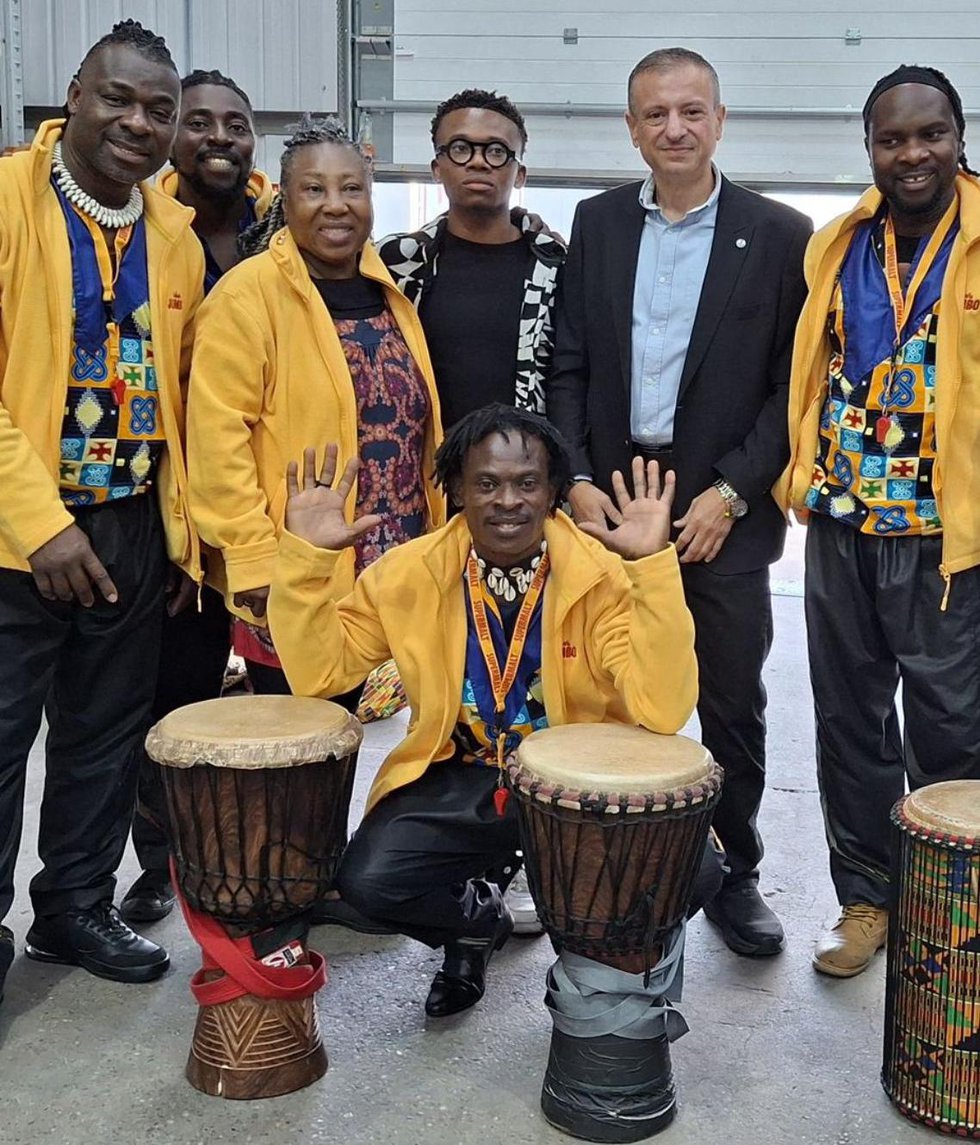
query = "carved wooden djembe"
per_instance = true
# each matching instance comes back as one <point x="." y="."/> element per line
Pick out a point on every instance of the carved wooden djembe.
<point x="258" y="790"/>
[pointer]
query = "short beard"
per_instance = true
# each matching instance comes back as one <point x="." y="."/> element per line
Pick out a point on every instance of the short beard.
<point x="223" y="195"/>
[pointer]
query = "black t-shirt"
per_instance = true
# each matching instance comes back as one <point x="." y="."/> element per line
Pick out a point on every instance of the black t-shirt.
<point x="356" y="297"/>
<point x="471" y="315"/>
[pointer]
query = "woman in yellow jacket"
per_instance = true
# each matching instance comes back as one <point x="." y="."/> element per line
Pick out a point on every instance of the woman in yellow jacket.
<point x="308" y="340"/>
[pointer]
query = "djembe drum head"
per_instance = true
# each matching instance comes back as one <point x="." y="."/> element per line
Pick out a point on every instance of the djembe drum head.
<point x="931" y="1061"/>
<point x="258" y="789"/>
<point x="614" y="820"/>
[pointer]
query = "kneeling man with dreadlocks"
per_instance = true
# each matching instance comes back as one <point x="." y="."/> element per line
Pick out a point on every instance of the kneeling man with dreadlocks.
<point x="578" y="629"/>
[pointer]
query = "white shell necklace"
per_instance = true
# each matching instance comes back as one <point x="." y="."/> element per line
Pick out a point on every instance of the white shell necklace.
<point x="112" y="218"/>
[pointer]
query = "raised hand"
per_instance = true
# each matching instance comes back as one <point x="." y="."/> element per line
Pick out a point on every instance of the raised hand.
<point x="645" y="526"/>
<point x="315" y="513"/>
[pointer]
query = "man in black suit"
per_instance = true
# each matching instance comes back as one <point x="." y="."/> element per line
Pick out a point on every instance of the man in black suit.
<point x="674" y="335"/>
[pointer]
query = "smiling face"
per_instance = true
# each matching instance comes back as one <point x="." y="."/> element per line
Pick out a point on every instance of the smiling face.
<point x="476" y="186"/>
<point x="675" y="121"/>
<point x="123" y="114"/>
<point x="506" y="496"/>
<point x="214" y="147"/>
<point x="915" y="148"/>
<point x="327" y="201"/>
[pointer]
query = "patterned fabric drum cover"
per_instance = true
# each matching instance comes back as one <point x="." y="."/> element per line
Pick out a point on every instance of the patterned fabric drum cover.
<point x="931" y="1067"/>
<point x="258" y="790"/>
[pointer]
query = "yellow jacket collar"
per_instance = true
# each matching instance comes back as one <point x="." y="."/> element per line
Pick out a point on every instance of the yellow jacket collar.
<point x="967" y="187"/>
<point x="286" y="254"/>
<point x="259" y="188"/>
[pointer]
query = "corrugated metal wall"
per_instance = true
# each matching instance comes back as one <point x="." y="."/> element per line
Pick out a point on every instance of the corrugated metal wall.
<point x="282" y="52"/>
<point x="779" y="54"/>
<point x="800" y="62"/>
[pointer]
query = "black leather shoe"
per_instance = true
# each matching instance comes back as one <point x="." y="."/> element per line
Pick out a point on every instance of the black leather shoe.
<point x="6" y="954"/>
<point x="747" y="925"/>
<point x="149" y="899"/>
<point x="462" y="980"/>
<point x="336" y="912"/>
<point x="100" y="942"/>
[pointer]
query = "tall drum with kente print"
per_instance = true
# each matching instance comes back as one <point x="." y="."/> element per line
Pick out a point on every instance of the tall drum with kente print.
<point x="931" y="1067"/>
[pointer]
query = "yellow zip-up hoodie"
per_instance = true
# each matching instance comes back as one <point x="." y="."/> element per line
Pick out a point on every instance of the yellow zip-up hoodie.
<point x="259" y="188"/>
<point x="35" y="351"/>
<point x="956" y="475"/>
<point x="617" y="640"/>
<point x="269" y="378"/>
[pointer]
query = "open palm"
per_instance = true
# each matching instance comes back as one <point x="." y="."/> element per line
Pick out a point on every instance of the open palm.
<point x="645" y="527"/>
<point x="315" y="512"/>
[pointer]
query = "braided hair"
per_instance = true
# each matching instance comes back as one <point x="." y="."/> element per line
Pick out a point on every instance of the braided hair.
<point x="930" y="77"/>
<point x="133" y="35"/>
<point x="309" y="132"/>
<point x="505" y="420"/>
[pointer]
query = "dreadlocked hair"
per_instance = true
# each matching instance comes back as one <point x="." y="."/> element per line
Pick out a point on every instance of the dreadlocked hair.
<point x="199" y="78"/>
<point x="133" y="35"/>
<point x="505" y="420"/>
<point x="309" y="132"/>
<point x="482" y="101"/>
<point x="931" y="77"/>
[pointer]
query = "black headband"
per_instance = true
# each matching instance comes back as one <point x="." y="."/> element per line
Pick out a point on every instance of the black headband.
<point x="913" y="73"/>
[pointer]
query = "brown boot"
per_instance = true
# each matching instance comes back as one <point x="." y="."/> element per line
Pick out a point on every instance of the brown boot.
<point x="850" y="944"/>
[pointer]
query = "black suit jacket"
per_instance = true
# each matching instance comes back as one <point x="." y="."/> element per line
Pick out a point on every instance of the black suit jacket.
<point x="730" y="418"/>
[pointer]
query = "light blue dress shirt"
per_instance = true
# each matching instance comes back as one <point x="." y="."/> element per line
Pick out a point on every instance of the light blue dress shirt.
<point x="670" y="269"/>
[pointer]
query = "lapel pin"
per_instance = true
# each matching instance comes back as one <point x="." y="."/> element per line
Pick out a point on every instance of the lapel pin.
<point x="740" y="243"/>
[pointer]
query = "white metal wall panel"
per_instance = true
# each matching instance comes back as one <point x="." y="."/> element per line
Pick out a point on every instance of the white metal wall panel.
<point x="773" y="54"/>
<point x="58" y="33"/>
<point x="282" y="52"/>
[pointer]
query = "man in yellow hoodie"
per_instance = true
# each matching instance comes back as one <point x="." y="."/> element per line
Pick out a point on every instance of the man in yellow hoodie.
<point x="100" y="279"/>
<point x="883" y="418"/>
<point x="213" y="172"/>
<point x="591" y="628"/>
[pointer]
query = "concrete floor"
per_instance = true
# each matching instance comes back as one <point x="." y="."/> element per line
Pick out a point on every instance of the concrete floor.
<point x="776" y="1053"/>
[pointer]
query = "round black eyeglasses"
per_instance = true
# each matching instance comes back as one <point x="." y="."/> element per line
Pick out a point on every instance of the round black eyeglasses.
<point x="461" y="151"/>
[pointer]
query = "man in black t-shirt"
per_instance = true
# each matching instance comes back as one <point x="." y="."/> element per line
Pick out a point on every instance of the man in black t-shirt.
<point x="481" y="278"/>
<point x="483" y="281"/>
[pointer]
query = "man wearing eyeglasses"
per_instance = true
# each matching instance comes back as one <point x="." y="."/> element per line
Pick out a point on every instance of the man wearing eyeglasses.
<point x="481" y="277"/>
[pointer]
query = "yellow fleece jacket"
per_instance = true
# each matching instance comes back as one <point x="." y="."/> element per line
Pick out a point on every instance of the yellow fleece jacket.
<point x="617" y="638"/>
<point x="259" y="188"/>
<point x="956" y="476"/>
<point x="36" y="343"/>
<point x="269" y="378"/>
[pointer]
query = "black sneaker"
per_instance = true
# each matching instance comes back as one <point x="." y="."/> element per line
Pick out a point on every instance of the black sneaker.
<point x="6" y="954"/>
<point x="100" y="942"/>
<point x="149" y="899"/>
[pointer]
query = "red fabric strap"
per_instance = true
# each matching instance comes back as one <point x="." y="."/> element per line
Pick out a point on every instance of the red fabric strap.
<point x="243" y="972"/>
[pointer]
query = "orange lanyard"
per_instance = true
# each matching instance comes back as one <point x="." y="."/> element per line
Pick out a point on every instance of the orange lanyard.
<point x="903" y="301"/>
<point x="501" y="683"/>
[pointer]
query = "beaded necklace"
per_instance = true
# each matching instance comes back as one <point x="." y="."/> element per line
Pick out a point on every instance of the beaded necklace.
<point x="113" y="218"/>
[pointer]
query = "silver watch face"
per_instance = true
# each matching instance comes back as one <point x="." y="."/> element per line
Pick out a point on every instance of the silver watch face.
<point x="739" y="507"/>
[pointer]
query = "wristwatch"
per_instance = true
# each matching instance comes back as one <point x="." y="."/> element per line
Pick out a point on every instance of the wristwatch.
<point x="735" y="506"/>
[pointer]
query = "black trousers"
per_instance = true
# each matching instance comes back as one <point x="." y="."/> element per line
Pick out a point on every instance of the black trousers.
<point x="419" y="858"/>
<point x="733" y="635"/>
<point x="873" y="618"/>
<point x="423" y="857"/>
<point x="93" y="672"/>
<point x="193" y="657"/>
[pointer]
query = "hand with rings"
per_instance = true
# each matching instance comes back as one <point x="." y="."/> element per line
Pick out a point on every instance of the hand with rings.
<point x="315" y="511"/>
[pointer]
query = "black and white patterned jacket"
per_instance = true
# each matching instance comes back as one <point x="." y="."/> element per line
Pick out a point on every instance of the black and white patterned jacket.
<point x="413" y="260"/>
